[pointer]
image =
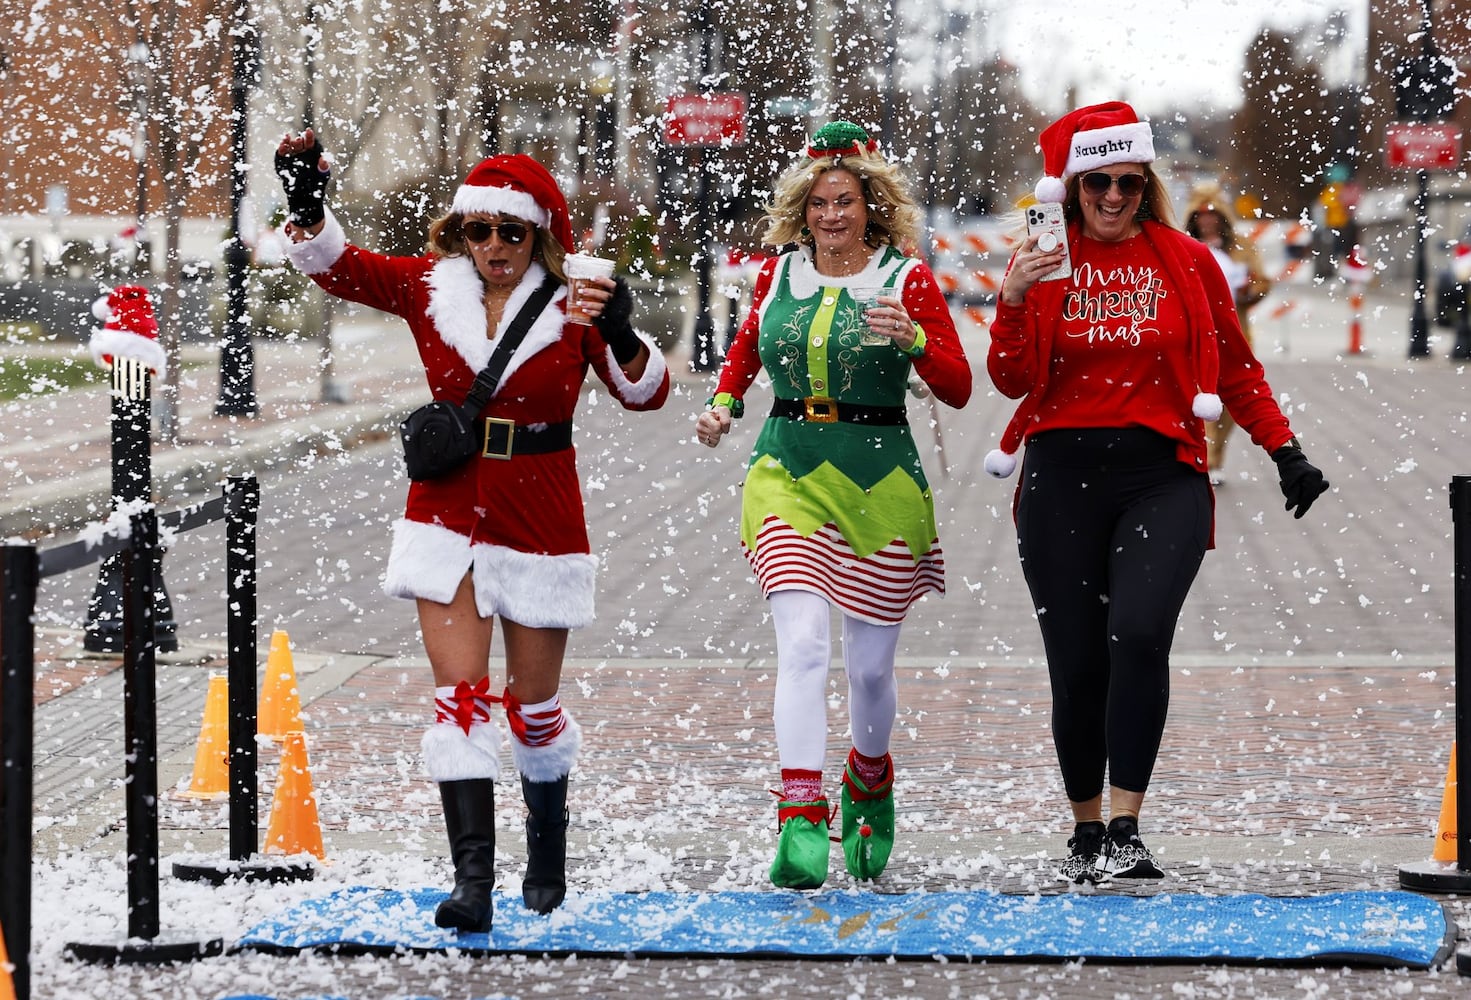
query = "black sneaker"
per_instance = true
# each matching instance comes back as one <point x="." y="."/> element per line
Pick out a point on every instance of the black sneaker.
<point x="1084" y="847"/>
<point x="1124" y="854"/>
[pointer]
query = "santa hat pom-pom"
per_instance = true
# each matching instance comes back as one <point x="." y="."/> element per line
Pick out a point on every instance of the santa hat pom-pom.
<point x="999" y="463"/>
<point x="1206" y="406"/>
<point x="1050" y="189"/>
<point x="101" y="309"/>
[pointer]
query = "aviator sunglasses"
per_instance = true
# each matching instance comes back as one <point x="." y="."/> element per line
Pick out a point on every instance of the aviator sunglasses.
<point x="511" y="233"/>
<point x="1129" y="185"/>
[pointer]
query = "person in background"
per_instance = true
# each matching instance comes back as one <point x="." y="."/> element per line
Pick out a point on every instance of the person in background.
<point x="503" y="536"/>
<point x="1118" y="364"/>
<point x="836" y="510"/>
<point x="1209" y="220"/>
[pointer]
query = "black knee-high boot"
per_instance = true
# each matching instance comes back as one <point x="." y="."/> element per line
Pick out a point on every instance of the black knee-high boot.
<point x="469" y="817"/>
<point x="546" y="844"/>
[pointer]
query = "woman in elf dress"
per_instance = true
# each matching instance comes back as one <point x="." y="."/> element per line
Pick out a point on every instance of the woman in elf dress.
<point x="836" y="509"/>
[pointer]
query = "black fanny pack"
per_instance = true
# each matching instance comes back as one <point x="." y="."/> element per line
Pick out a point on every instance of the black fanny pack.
<point x="441" y="436"/>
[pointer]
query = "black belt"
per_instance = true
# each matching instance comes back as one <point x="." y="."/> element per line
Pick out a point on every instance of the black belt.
<point x="826" y="410"/>
<point x="503" y="438"/>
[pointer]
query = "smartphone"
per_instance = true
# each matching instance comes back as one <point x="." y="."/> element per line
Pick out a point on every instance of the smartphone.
<point x="1045" y="218"/>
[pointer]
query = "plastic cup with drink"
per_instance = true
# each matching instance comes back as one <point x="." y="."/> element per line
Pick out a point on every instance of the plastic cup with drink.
<point x="581" y="267"/>
<point x="867" y="297"/>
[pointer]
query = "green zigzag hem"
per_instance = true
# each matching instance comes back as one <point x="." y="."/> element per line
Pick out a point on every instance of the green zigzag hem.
<point x="895" y="507"/>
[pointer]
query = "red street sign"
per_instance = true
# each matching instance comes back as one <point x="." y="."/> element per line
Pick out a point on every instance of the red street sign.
<point x="1422" y="147"/>
<point x="716" y="119"/>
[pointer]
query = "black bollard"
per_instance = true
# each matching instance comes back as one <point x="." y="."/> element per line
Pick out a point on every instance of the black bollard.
<point x="132" y="485"/>
<point x="1435" y="876"/>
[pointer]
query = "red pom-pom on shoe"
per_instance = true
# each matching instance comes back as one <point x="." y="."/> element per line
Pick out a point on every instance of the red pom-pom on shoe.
<point x="865" y="830"/>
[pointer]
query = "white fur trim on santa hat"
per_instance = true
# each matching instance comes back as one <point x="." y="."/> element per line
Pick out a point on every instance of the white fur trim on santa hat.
<point x="538" y="591"/>
<point x="451" y="755"/>
<point x="553" y="760"/>
<point x="1101" y="147"/>
<point x="643" y="390"/>
<point x="486" y="200"/>
<point x="426" y="560"/>
<point x="999" y="463"/>
<point x="318" y="254"/>
<point x="123" y="344"/>
<point x="1206" y="406"/>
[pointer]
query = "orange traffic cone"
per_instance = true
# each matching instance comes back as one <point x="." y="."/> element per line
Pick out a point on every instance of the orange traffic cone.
<point x="294" y="827"/>
<point x="280" y="701"/>
<point x="1445" y="830"/>
<point x="7" y="982"/>
<point x="211" y="778"/>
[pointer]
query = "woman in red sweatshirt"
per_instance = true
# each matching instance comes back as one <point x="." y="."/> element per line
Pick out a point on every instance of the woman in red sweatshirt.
<point x="1118" y="360"/>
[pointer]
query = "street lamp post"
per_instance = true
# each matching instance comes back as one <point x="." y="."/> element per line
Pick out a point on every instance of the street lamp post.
<point x="137" y="57"/>
<point x="237" y="361"/>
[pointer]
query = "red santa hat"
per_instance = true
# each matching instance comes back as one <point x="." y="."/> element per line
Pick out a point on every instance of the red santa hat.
<point x="519" y="186"/>
<point x="128" y="330"/>
<point x="1096" y="136"/>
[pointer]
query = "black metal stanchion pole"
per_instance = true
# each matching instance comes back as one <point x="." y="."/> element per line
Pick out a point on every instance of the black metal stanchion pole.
<point x="242" y="504"/>
<point x="140" y="742"/>
<point x="19" y="580"/>
<point x="1435" y="876"/>
<point x="132" y="486"/>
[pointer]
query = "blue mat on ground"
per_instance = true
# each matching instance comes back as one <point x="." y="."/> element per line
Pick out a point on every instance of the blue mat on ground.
<point x="1359" y="928"/>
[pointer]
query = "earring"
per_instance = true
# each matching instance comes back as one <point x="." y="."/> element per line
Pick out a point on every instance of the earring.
<point x="806" y="231"/>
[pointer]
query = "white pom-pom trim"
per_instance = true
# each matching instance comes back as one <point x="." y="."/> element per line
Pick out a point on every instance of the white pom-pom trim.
<point x="100" y="309"/>
<point x="1050" y="189"/>
<point x="999" y="463"/>
<point x="1206" y="406"/>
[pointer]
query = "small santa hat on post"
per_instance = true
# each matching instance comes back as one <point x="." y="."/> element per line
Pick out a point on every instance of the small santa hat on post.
<point x="128" y="329"/>
<point x="518" y="186"/>
<point x="1088" y="138"/>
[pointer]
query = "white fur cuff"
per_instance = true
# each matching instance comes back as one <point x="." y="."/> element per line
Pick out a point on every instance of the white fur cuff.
<point x="450" y="755"/>
<point x="552" y="761"/>
<point x="426" y="560"/>
<point x="643" y="390"/>
<point x="318" y="254"/>
<point x="538" y="591"/>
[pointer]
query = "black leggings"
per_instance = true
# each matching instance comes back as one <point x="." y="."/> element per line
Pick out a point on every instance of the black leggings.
<point x="1112" y="528"/>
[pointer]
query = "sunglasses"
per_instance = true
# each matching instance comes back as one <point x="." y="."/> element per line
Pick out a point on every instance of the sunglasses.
<point x="511" y="233"/>
<point x="1129" y="185"/>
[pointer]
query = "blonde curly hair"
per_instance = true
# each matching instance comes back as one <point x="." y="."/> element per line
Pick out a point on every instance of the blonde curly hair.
<point x="893" y="217"/>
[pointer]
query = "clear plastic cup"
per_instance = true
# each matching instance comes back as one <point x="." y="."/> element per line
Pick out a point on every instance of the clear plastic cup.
<point x="867" y="297"/>
<point x="579" y="267"/>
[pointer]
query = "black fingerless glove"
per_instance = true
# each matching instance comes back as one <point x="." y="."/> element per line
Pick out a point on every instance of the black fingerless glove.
<point x="614" y="325"/>
<point x="305" y="185"/>
<point x="1301" y="481"/>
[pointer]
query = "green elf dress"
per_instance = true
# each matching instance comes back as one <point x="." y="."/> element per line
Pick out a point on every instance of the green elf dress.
<point x="836" y="501"/>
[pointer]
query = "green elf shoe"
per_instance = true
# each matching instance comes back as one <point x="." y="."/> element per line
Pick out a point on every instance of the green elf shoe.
<point x="801" y="845"/>
<point x="868" y="821"/>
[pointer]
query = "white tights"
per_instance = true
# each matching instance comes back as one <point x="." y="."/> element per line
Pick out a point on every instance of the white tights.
<point x="803" y="652"/>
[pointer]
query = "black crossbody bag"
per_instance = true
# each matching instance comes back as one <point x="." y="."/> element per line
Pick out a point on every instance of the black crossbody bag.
<point x="440" y="436"/>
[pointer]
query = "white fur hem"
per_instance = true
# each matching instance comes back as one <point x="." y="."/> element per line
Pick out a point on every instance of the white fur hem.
<point x="653" y="377"/>
<point x="450" y="755"/>
<point x="318" y="254"/>
<point x="552" y="761"/>
<point x="426" y="560"/>
<point x="538" y="591"/>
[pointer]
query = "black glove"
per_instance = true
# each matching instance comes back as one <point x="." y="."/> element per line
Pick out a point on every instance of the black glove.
<point x="1302" y="482"/>
<point x="305" y="185"/>
<point x="615" y="327"/>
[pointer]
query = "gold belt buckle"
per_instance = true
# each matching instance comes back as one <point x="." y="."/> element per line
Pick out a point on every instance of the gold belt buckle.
<point x="820" y="409"/>
<point x="501" y="451"/>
